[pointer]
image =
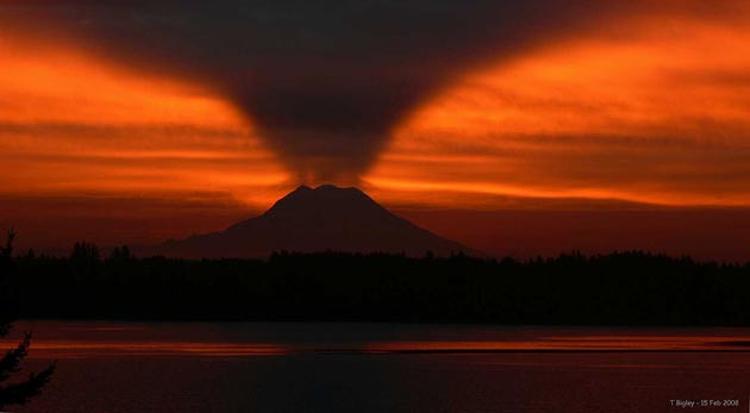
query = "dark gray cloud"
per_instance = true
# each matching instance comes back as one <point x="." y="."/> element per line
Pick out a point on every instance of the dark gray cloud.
<point x="325" y="81"/>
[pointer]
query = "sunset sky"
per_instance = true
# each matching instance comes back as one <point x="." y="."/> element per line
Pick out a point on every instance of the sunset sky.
<point x="515" y="128"/>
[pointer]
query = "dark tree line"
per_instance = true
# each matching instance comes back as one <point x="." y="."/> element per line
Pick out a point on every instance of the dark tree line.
<point x="15" y="391"/>
<point x="630" y="288"/>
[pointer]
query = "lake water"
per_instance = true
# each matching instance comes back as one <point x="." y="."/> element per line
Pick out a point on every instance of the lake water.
<point x="317" y="367"/>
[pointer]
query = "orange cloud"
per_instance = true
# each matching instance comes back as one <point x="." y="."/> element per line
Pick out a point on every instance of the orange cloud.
<point x="648" y="111"/>
<point x="73" y="124"/>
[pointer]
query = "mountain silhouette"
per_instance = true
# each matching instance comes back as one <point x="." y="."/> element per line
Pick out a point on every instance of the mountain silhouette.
<point x="327" y="218"/>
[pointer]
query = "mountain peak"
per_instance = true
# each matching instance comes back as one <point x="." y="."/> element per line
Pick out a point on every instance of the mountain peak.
<point x="333" y="188"/>
<point x="302" y="188"/>
<point x="325" y="199"/>
<point x="324" y="189"/>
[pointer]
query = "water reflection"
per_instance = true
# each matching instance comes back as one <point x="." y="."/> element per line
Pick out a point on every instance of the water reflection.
<point x="61" y="340"/>
<point x="312" y="367"/>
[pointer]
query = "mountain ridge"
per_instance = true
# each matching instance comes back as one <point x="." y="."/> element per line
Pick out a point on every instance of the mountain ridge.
<point x="325" y="218"/>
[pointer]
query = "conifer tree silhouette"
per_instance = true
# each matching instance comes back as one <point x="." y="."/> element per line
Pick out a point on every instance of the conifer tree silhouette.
<point x="15" y="391"/>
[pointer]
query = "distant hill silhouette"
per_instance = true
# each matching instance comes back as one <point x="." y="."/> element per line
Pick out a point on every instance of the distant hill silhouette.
<point x="327" y="218"/>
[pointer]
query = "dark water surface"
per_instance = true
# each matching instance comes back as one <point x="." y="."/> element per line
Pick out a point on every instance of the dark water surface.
<point x="314" y="367"/>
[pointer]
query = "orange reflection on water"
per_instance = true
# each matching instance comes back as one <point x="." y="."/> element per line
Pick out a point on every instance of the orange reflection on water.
<point x="61" y="349"/>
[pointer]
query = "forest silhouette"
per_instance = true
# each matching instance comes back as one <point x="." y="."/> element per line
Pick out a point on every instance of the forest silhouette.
<point x="622" y="288"/>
